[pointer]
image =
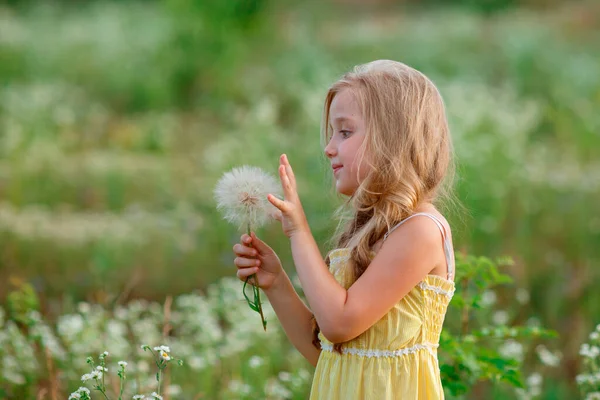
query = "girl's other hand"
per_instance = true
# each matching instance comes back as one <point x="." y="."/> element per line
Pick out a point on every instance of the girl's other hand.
<point x="255" y="257"/>
<point x="290" y="212"/>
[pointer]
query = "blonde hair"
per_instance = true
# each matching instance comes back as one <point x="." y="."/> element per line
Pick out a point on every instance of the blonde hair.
<point x="407" y="151"/>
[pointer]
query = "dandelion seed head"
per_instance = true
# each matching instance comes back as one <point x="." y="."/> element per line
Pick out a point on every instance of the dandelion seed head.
<point x="241" y="195"/>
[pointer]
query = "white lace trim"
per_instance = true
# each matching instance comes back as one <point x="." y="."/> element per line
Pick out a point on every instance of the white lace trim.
<point x="436" y="289"/>
<point x="381" y="353"/>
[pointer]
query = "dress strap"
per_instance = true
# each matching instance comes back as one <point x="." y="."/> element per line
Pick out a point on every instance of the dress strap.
<point x="447" y="248"/>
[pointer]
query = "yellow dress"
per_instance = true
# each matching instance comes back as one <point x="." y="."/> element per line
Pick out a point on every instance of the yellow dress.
<point x="396" y="358"/>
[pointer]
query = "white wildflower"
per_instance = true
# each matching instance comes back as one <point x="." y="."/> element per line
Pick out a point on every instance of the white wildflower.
<point x="138" y="397"/>
<point x="174" y="390"/>
<point x="156" y="396"/>
<point x="500" y="317"/>
<point x="238" y="387"/>
<point x="74" y="396"/>
<point x="241" y="195"/>
<point x="122" y="363"/>
<point x="547" y="357"/>
<point x="96" y="374"/>
<point x="488" y="298"/>
<point x="86" y="377"/>
<point x="522" y="296"/>
<point x="534" y="379"/>
<point x="594" y="336"/>
<point x="285" y="376"/>
<point x="255" y="362"/>
<point x="589" y="351"/>
<point x="512" y="349"/>
<point x="83" y="389"/>
<point x="100" y="368"/>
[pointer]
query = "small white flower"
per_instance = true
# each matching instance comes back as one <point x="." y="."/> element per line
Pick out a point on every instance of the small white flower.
<point x="83" y="389"/>
<point x="522" y="296"/>
<point x="488" y="298"/>
<point x="100" y="368"/>
<point x="500" y="317"/>
<point x="86" y="377"/>
<point x="534" y="379"/>
<point x="512" y="349"/>
<point x="241" y="195"/>
<point x="122" y="363"/>
<point x="285" y="376"/>
<point x="594" y="336"/>
<point x="547" y="357"/>
<point x="255" y="362"/>
<point x="165" y="356"/>
<point x="156" y="396"/>
<point x="138" y="397"/>
<point x="74" y="396"/>
<point x="96" y="374"/>
<point x="589" y="351"/>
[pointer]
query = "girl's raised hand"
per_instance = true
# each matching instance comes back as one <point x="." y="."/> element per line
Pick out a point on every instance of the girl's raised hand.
<point x="255" y="257"/>
<point x="290" y="214"/>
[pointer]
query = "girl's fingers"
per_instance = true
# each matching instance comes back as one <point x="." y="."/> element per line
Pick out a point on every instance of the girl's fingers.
<point x="240" y="250"/>
<point x="288" y="190"/>
<point x="289" y="171"/>
<point x="246" y="272"/>
<point x="244" y="263"/>
<point x="280" y="204"/>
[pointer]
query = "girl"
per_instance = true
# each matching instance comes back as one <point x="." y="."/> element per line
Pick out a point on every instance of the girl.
<point x="378" y="301"/>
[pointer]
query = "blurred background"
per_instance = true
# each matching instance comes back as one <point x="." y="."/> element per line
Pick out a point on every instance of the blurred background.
<point x="118" y="117"/>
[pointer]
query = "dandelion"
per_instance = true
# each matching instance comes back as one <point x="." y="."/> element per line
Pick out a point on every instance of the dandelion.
<point x="241" y="195"/>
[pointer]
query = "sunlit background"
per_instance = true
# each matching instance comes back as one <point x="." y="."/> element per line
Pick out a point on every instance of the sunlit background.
<point x="118" y="117"/>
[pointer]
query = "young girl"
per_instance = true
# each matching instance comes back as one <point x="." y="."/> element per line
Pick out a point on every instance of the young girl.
<point x="379" y="299"/>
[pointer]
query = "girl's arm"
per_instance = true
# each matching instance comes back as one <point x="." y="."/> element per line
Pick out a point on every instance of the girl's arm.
<point x="403" y="261"/>
<point x="294" y="316"/>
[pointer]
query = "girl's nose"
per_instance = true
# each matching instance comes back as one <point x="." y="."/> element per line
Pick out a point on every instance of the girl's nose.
<point x="330" y="150"/>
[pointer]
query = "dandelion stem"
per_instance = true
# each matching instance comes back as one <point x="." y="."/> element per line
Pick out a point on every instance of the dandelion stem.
<point x="256" y="290"/>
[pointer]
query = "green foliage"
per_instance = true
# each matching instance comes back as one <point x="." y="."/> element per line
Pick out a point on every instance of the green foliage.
<point x="22" y="301"/>
<point x="474" y="350"/>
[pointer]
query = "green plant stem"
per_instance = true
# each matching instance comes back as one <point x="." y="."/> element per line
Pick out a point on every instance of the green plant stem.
<point x="122" y="387"/>
<point x="256" y="291"/>
<point x="159" y="379"/>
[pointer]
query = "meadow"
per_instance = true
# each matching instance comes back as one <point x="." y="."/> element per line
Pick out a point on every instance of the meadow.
<point x="118" y="118"/>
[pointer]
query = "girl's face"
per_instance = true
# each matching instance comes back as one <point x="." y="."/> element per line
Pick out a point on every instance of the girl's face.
<point x="348" y="132"/>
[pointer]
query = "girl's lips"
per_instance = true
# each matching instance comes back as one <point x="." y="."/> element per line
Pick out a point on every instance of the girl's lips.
<point x="336" y="170"/>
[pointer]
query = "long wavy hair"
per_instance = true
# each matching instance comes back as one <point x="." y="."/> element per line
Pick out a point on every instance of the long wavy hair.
<point x="407" y="151"/>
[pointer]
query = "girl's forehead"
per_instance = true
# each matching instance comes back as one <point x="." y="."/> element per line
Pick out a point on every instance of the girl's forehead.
<point x="344" y="107"/>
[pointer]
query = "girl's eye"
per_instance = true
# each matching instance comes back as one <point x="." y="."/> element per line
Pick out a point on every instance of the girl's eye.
<point x="345" y="134"/>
